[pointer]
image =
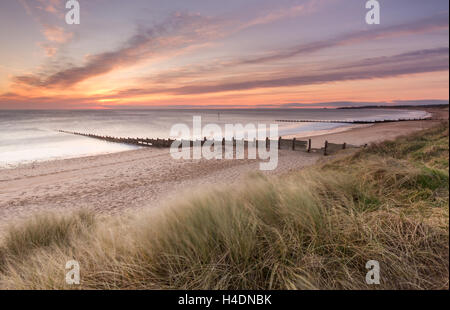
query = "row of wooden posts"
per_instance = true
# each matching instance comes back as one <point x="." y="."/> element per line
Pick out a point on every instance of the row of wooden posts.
<point x="293" y="143"/>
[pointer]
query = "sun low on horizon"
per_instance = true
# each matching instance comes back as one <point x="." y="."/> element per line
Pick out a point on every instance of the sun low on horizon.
<point x="222" y="54"/>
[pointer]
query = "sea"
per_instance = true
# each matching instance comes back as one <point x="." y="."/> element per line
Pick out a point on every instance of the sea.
<point x="32" y="135"/>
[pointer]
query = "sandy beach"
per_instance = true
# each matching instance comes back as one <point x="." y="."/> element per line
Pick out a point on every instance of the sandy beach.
<point x="116" y="182"/>
<point x="149" y="178"/>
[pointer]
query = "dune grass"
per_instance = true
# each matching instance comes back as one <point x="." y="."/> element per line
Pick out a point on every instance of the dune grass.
<point x="312" y="229"/>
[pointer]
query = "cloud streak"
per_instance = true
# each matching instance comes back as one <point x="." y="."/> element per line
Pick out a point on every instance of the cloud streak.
<point x="178" y="31"/>
<point x="421" y="61"/>
<point x="433" y="23"/>
<point x="306" y="8"/>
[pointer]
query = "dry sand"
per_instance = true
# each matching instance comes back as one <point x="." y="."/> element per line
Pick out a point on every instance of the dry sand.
<point x="148" y="178"/>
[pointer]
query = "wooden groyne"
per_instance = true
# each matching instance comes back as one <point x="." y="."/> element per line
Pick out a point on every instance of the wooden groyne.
<point x="351" y="121"/>
<point x="128" y="140"/>
<point x="291" y="144"/>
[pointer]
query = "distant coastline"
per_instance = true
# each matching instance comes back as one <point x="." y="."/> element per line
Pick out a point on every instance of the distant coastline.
<point x="410" y="106"/>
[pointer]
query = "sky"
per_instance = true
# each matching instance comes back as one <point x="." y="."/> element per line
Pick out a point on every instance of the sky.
<point x="211" y="53"/>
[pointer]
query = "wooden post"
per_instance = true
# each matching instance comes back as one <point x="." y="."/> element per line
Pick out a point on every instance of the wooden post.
<point x="293" y="144"/>
<point x="309" y="145"/>
<point x="279" y="143"/>
<point x="267" y="142"/>
<point x="325" y="148"/>
<point x="344" y="146"/>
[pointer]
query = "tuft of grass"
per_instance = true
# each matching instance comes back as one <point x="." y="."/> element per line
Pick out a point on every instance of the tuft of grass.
<point x="430" y="147"/>
<point x="312" y="229"/>
<point x="43" y="231"/>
